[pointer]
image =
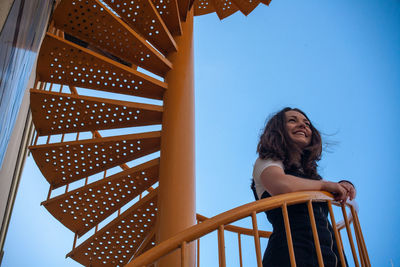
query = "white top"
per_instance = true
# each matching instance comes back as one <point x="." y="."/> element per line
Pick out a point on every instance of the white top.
<point x="259" y="166"/>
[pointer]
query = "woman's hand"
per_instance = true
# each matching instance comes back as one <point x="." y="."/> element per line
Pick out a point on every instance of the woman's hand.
<point x="337" y="189"/>
<point x="351" y="191"/>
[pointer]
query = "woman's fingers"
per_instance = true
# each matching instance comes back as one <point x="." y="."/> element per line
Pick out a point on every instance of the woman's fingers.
<point x="351" y="192"/>
<point x="339" y="192"/>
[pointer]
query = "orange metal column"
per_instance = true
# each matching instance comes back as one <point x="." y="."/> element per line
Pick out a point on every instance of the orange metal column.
<point x="176" y="199"/>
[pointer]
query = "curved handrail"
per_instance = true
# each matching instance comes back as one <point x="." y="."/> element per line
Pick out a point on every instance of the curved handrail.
<point x="212" y="224"/>
<point x="237" y="229"/>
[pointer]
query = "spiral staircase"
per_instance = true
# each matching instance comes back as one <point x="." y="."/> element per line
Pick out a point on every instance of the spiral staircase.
<point x="110" y="188"/>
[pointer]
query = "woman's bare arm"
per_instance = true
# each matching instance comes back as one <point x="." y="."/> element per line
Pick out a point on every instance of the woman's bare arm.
<point x="276" y="182"/>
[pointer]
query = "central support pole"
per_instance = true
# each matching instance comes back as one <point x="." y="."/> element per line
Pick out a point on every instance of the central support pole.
<point x="176" y="199"/>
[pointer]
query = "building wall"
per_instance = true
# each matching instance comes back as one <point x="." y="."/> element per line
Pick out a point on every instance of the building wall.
<point x="20" y="39"/>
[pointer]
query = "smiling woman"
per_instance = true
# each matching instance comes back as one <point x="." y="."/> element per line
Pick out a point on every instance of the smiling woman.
<point x="289" y="149"/>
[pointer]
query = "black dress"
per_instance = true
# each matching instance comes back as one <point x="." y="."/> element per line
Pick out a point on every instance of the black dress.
<point x="277" y="253"/>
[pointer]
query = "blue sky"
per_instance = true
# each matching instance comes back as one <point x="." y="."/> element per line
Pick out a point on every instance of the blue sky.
<point x="339" y="61"/>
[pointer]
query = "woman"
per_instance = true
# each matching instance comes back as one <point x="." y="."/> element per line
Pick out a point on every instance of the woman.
<point x="289" y="149"/>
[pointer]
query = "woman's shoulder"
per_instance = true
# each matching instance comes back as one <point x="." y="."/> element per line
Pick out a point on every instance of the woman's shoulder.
<point x="262" y="164"/>
<point x="268" y="162"/>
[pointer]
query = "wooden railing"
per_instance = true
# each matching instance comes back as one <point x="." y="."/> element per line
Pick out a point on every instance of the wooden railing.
<point x="223" y="221"/>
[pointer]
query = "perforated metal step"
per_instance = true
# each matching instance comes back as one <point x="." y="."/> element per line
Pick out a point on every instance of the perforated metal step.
<point x="116" y="243"/>
<point x="66" y="162"/>
<point x="168" y="10"/>
<point x="225" y="8"/>
<point x="246" y="6"/>
<point x="82" y="209"/>
<point x="63" y="62"/>
<point x="202" y="7"/>
<point x="142" y="16"/>
<point x="92" y="22"/>
<point x="56" y="113"/>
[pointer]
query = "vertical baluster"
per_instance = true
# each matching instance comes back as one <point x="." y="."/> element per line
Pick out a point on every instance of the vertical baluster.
<point x="35" y="86"/>
<point x="315" y="234"/>
<point x="360" y="250"/>
<point x="240" y="250"/>
<point x="62" y="138"/>
<point x="360" y="239"/>
<point x="221" y="246"/>
<point x="105" y="174"/>
<point x="198" y="251"/>
<point x="36" y="139"/>
<point x="42" y="85"/>
<point x="66" y="188"/>
<point x="183" y="255"/>
<point x="349" y="235"/>
<point x="74" y="244"/>
<point x="335" y="231"/>
<point x="73" y="90"/>
<point x="49" y="194"/>
<point x="35" y="134"/>
<point x="340" y="238"/>
<point x="256" y="238"/>
<point x="61" y="87"/>
<point x="288" y="235"/>
<point x="48" y="139"/>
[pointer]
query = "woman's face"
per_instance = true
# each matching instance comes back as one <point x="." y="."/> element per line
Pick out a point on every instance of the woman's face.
<point x="298" y="128"/>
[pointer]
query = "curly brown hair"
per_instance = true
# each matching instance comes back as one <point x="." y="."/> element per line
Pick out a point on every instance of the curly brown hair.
<point x="276" y="144"/>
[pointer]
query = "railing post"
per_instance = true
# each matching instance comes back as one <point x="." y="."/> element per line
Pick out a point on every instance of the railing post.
<point x="337" y="237"/>
<point x="240" y="250"/>
<point x="198" y="252"/>
<point x="221" y="246"/>
<point x="358" y="242"/>
<point x="349" y="235"/>
<point x="288" y="235"/>
<point x="256" y="238"/>
<point x="315" y="234"/>
<point x="361" y="243"/>
<point x="183" y="255"/>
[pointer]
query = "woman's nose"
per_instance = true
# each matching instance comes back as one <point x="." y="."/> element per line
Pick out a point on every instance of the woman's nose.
<point x="302" y="124"/>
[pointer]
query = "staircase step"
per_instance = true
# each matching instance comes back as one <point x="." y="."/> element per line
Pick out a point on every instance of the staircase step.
<point x="246" y="6"/>
<point x="266" y="2"/>
<point x="142" y="16"/>
<point x="203" y="7"/>
<point x="224" y="8"/>
<point x="169" y="12"/>
<point x="64" y="62"/>
<point x="57" y="113"/>
<point x="82" y="209"/>
<point x="63" y="163"/>
<point x="94" y="23"/>
<point x="116" y="243"/>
